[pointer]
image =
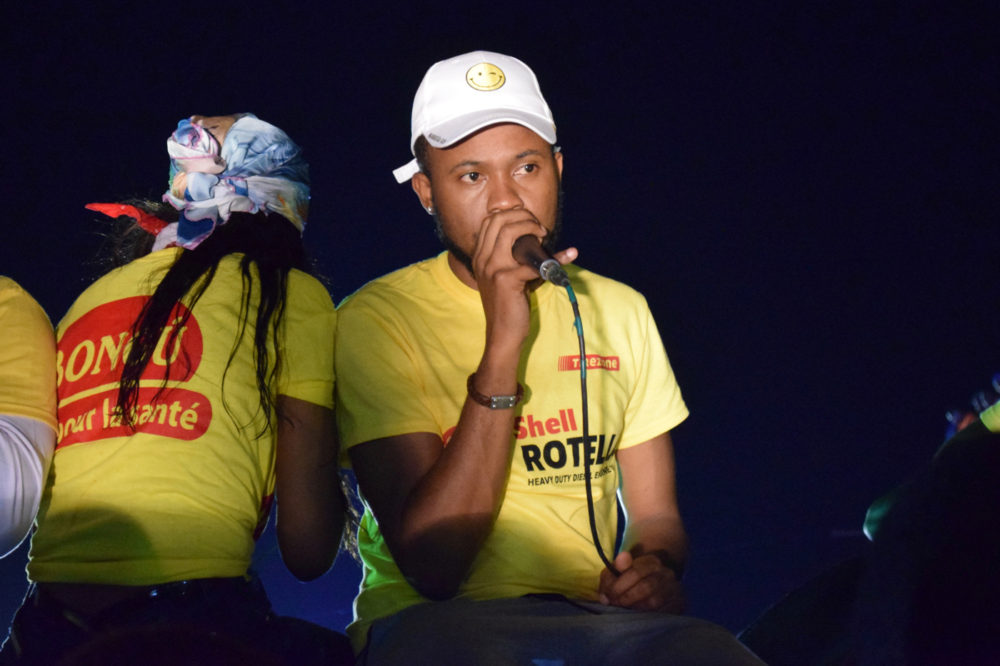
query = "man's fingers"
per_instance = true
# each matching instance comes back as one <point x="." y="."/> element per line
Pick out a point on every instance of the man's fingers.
<point x="567" y="256"/>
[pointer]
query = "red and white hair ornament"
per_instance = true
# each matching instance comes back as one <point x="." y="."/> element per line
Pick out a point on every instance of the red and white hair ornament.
<point x="147" y="221"/>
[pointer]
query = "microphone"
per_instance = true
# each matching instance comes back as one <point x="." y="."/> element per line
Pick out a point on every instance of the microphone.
<point x="528" y="251"/>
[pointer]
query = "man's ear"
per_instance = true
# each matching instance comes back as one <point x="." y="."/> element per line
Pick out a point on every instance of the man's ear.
<point x="422" y="186"/>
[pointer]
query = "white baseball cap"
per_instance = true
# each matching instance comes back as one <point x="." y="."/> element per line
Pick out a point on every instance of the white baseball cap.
<point x="469" y="92"/>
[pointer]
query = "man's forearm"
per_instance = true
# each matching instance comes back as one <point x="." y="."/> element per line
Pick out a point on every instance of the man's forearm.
<point x="663" y="537"/>
<point x="451" y="511"/>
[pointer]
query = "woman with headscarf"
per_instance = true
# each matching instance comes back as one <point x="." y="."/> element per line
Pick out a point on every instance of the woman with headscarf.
<point x="195" y="384"/>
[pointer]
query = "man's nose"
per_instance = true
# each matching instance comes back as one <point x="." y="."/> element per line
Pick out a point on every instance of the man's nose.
<point x="504" y="194"/>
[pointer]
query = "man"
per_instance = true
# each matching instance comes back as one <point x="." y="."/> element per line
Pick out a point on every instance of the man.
<point x="927" y="589"/>
<point x="460" y="402"/>
<point x="27" y="410"/>
<point x="930" y="589"/>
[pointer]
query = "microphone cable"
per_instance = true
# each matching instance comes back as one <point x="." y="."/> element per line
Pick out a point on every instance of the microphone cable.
<point x="578" y="324"/>
<point x="528" y="251"/>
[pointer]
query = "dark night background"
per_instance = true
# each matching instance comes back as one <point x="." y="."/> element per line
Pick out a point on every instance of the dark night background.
<point x="807" y="193"/>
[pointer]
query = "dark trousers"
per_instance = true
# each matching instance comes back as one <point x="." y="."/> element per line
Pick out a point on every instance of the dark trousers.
<point x="205" y="621"/>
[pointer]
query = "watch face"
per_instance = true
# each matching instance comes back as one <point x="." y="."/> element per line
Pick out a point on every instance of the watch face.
<point x="503" y="401"/>
<point x="493" y="401"/>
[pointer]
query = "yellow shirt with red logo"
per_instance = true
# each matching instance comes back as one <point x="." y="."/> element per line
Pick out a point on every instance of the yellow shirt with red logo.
<point x="182" y="496"/>
<point x="27" y="374"/>
<point x="406" y="344"/>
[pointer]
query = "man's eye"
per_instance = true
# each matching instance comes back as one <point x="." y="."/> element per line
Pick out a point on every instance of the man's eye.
<point x="529" y="168"/>
<point x="471" y="177"/>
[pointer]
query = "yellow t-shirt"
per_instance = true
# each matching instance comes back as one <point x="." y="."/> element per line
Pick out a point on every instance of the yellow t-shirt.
<point x="27" y="356"/>
<point x="991" y="417"/>
<point x="406" y="344"/>
<point x="182" y="496"/>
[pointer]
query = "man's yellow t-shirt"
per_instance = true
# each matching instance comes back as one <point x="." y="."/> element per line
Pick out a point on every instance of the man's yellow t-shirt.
<point x="406" y="344"/>
<point x="27" y="357"/>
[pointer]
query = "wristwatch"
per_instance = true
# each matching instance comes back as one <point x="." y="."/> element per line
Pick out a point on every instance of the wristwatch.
<point x="493" y="401"/>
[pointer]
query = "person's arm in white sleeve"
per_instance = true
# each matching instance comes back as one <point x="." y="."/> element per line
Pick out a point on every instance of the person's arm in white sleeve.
<point x="26" y="447"/>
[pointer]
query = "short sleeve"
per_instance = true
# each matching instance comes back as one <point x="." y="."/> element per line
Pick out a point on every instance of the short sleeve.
<point x="307" y="341"/>
<point x="27" y="356"/>
<point x="380" y="391"/>
<point x="656" y="405"/>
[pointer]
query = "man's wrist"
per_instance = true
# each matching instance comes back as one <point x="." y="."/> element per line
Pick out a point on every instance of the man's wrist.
<point x="507" y="401"/>
<point x="667" y="560"/>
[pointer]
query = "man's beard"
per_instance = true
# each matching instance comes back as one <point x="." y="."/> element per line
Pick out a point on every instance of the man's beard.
<point x="549" y="243"/>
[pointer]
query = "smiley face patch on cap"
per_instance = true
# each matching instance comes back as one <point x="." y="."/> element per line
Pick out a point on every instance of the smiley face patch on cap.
<point x="485" y="76"/>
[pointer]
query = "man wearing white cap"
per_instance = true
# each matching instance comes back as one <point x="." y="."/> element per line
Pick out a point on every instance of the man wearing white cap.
<point x="489" y="482"/>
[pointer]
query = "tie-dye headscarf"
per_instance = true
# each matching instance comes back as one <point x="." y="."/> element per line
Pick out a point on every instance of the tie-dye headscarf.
<point x="257" y="168"/>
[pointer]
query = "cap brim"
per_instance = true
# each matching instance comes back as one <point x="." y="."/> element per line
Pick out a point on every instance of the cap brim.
<point x="406" y="172"/>
<point x="453" y="130"/>
<point x="457" y="129"/>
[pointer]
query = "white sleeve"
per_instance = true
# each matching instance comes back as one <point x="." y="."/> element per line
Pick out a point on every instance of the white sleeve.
<point x="26" y="447"/>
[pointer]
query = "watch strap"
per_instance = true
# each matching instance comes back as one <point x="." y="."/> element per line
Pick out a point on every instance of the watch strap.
<point x="493" y="401"/>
